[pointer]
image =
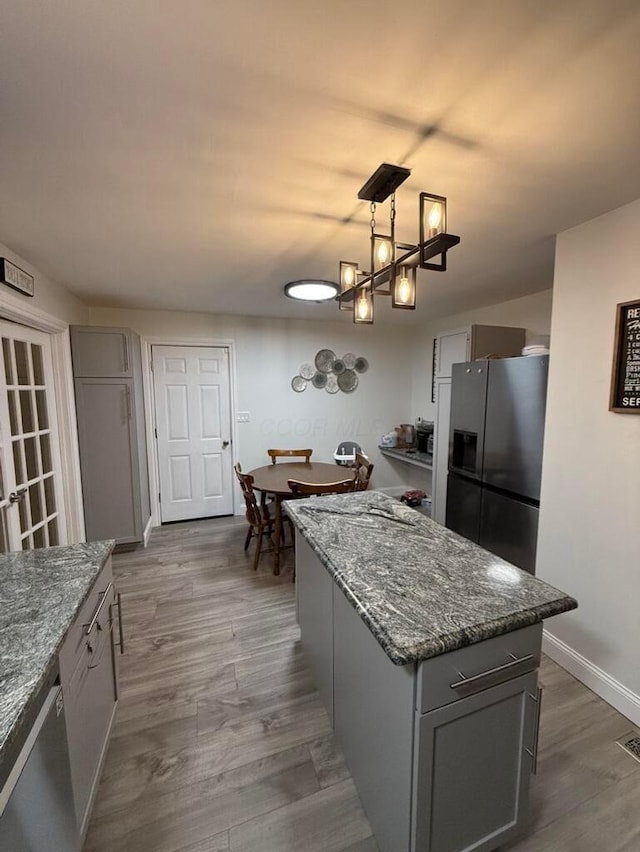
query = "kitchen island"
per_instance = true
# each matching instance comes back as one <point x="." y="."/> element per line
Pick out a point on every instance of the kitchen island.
<point x="56" y="627"/>
<point x="425" y="650"/>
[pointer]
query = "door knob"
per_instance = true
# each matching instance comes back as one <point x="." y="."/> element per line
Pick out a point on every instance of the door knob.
<point x="18" y="495"/>
<point x="225" y="444"/>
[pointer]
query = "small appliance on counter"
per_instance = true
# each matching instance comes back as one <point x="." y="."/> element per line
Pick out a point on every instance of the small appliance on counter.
<point x="424" y="436"/>
<point x="406" y="433"/>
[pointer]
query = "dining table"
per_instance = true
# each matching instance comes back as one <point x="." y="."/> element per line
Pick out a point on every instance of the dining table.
<point x="273" y="479"/>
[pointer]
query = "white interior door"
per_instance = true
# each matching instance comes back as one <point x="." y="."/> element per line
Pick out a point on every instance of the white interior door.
<point x="193" y="423"/>
<point x="31" y="501"/>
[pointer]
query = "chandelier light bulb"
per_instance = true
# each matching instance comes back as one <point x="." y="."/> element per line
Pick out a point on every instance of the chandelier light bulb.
<point x="435" y="218"/>
<point x="349" y="276"/>
<point x="404" y="290"/>
<point x="383" y="253"/>
<point x="363" y="306"/>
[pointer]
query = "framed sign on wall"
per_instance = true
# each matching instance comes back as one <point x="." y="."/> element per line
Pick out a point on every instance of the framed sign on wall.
<point x="15" y="277"/>
<point x="625" y="377"/>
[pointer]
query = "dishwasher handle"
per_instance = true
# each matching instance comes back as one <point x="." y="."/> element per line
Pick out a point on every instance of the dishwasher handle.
<point x="52" y="697"/>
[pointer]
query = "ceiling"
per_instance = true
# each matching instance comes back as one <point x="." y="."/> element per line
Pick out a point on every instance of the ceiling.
<point x="199" y="155"/>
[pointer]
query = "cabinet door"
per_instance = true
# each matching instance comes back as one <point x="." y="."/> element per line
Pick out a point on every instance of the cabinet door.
<point x="88" y="683"/>
<point x="473" y="769"/>
<point x="101" y="352"/>
<point x="452" y="349"/>
<point x="109" y="459"/>
<point x="314" y="598"/>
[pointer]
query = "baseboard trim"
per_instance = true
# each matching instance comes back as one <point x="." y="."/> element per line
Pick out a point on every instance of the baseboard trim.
<point x="147" y="531"/>
<point x="607" y="687"/>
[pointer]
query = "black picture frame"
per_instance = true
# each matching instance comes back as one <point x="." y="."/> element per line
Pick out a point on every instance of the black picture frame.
<point x="625" y="371"/>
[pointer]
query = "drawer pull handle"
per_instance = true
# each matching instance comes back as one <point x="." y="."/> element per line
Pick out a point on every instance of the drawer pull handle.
<point x="476" y="680"/>
<point x="96" y="614"/>
<point x="120" y="644"/>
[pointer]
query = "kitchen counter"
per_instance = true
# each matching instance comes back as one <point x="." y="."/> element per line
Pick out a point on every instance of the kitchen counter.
<point x="409" y="456"/>
<point x="421" y="589"/>
<point x="425" y="651"/>
<point x="41" y="592"/>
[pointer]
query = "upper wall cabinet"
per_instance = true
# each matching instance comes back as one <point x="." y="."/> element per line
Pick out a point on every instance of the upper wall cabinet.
<point x="473" y="342"/>
<point x="101" y="352"/>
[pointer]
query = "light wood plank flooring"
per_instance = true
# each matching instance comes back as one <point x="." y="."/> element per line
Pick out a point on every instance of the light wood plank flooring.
<point x="221" y="743"/>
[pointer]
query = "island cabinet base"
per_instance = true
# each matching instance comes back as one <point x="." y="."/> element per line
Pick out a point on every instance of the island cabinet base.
<point x="441" y="751"/>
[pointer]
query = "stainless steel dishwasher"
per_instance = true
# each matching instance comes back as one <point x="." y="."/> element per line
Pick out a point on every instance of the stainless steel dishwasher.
<point x="36" y="801"/>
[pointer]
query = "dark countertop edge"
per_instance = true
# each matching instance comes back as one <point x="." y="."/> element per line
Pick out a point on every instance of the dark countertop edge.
<point x="9" y="746"/>
<point x="449" y="641"/>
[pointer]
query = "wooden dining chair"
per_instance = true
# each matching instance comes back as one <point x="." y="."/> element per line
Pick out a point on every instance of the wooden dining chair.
<point x="258" y="517"/>
<point x="363" y="468"/>
<point x="306" y="489"/>
<point x="289" y="454"/>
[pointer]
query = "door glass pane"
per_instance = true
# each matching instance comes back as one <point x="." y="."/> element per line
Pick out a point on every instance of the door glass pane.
<point x="13" y="412"/>
<point x="49" y="495"/>
<point x="41" y="405"/>
<point x="17" y="462"/>
<point x="38" y="366"/>
<point x="53" y="533"/>
<point x="45" y="449"/>
<point x="8" y="366"/>
<point x="36" y="504"/>
<point x="31" y="456"/>
<point x="27" y="543"/>
<point x="24" y="515"/>
<point x="4" y="544"/>
<point x="26" y="407"/>
<point x="38" y="538"/>
<point x="22" y="362"/>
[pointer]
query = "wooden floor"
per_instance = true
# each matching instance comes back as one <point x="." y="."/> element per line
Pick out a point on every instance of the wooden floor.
<point x="221" y="742"/>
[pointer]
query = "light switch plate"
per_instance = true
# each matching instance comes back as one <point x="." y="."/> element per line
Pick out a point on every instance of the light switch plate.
<point x="242" y="416"/>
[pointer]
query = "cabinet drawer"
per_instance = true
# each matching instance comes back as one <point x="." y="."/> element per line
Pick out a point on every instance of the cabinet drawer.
<point x="75" y="649"/>
<point x="450" y="677"/>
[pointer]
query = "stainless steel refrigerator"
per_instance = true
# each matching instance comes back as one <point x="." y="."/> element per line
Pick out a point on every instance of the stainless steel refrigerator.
<point x="495" y="454"/>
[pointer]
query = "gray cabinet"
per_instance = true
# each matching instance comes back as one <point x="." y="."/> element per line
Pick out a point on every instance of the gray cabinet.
<point x="474" y="767"/>
<point x="102" y="352"/>
<point x="107" y="369"/>
<point x="89" y="684"/>
<point x="440" y="752"/>
<point x="314" y="597"/>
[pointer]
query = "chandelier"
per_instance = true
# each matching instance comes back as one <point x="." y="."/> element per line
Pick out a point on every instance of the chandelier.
<point x="393" y="264"/>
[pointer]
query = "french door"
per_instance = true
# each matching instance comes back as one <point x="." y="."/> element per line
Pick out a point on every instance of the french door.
<point x="31" y="503"/>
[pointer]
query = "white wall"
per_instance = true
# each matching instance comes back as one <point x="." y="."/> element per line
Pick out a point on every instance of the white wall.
<point x="269" y="353"/>
<point x="52" y="298"/>
<point x="530" y="312"/>
<point x="589" y="540"/>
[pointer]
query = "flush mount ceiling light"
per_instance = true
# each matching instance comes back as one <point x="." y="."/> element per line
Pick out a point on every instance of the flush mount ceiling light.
<point x="392" y="263"/>
<point x="311" y="290"/>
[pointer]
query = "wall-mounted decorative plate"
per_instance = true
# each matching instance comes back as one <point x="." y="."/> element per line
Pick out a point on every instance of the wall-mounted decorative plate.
<point x="307" y="370"/>
<point x="319" y="380"/>
<point x="347" y="381"/>
<point x="349" y="360"/>
<point x="361" y="365"/>
<point x="332" y="384"/>
<point x="299" y="384"/>
<point x="324" y="360"/>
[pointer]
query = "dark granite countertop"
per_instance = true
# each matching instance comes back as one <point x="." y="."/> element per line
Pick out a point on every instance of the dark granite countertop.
<point x="41" y="592"/>
<point x="422" y="589"/>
